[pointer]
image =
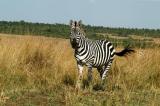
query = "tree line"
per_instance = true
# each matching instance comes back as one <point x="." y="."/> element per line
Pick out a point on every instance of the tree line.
<point x="62" y="30"/>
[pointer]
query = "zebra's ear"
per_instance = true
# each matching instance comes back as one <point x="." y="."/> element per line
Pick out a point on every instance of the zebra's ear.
<point x="79" y="22"/>
<point x="71" y="22"/>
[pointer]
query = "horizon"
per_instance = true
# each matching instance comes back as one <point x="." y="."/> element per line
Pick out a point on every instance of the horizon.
<point x="140" y="14"/>
<point x="83" y="24"/>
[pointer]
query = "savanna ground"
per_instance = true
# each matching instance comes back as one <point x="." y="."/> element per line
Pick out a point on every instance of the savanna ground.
<point x="41" y="71"/>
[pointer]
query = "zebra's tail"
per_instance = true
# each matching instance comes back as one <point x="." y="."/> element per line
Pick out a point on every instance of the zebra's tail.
<point x="125" y="52"/>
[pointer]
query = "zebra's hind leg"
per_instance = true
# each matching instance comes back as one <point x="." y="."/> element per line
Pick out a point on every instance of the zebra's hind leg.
<point x="99" y="86"/>
<point x="105" y="70"/>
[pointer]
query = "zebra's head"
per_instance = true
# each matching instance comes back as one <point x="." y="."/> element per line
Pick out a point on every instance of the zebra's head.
<point x="76" y="32"/>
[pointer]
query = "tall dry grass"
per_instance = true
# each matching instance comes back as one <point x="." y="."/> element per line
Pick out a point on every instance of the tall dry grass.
<point x="42" y="71"/>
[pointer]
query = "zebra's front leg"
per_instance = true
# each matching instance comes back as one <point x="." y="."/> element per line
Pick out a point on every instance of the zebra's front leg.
<point x="90" y="74"/>
<point x="90" y="77"/>
<point x="79" y="81"/>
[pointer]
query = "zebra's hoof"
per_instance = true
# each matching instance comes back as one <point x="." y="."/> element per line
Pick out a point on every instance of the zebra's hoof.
<point x="85" y="83"/>
<point x="98" y="87"/>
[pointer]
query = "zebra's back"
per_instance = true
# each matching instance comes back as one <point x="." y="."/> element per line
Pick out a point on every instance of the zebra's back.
<point x="103" y="52"/>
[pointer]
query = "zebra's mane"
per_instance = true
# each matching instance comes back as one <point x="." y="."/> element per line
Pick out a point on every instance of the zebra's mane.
<point x="82" y="32"/>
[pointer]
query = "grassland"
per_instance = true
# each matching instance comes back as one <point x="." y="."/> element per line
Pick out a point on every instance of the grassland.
<point x="41" y="71"/>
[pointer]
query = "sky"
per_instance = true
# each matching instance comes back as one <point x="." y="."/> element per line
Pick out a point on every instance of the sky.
<point x="108" y="13"/>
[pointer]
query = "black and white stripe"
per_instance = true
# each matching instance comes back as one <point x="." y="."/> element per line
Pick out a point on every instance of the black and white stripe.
<point x="92" y="53"/>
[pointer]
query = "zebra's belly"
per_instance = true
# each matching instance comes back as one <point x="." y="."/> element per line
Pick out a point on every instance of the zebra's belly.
<point x="100" y="62"/>
<point x="98" y="65"/>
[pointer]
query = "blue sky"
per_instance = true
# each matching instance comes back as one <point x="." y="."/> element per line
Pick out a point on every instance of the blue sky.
<point x="112" y="13"/>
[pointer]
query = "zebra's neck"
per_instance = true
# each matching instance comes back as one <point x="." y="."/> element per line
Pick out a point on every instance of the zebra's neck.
<point x="80" y="45"/>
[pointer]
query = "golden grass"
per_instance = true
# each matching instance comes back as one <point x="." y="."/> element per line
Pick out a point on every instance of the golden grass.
<point x="38" y="70"/>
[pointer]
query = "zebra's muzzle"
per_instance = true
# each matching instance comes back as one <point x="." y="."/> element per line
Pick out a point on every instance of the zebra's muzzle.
<point x="74" y="43"/>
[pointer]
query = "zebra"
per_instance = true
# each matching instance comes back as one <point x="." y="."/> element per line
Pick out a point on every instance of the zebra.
<point x="92" y="53"/>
